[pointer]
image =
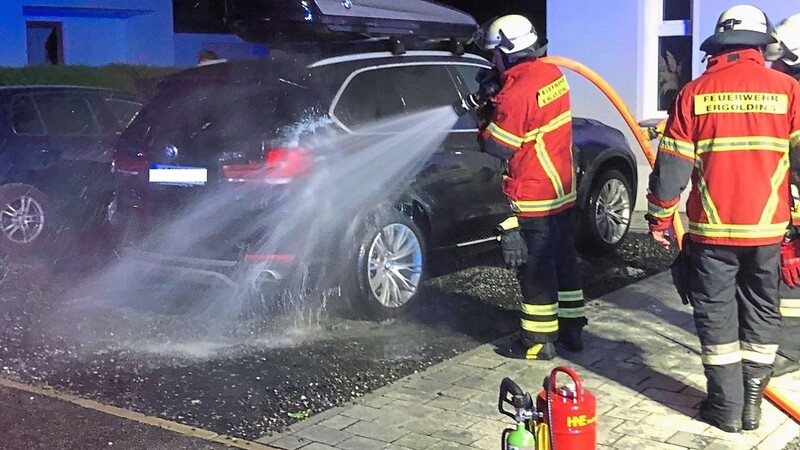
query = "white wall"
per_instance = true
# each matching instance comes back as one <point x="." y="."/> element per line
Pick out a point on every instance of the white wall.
<point x="604" y="37"/>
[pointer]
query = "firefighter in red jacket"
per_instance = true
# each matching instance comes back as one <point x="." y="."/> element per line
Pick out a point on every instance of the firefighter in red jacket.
<point x="786" y="58"/>
<point x="530" y="128"/>
<point x="731" y="131"/>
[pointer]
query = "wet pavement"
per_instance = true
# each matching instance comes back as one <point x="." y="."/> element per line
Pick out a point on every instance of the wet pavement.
<point x="256" y="378"/>
<point x="310" y="381"/>
<point x="32" y="422"/>
<point x="641" y="362"/>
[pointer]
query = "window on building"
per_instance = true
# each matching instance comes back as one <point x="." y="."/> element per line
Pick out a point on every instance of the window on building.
<point x="674" y="67"/>
<point x="45" y="43"/>
<point x="668" y="53"/>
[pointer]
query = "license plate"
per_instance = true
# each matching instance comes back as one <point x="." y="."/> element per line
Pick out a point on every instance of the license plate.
<point x="178" y="175"/>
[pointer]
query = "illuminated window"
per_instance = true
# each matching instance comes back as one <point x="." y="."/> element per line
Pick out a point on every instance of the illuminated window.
<point x="45" y="43"/>
<point x="669" y="55"/>
<point x="674" y="67"/>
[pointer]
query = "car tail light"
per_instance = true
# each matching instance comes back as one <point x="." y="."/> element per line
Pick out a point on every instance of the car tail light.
<point x="129" y="164"/>
<point x="280" y="166"/>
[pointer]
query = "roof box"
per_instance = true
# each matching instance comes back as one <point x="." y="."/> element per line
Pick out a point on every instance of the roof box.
<point x="277" y="21"/>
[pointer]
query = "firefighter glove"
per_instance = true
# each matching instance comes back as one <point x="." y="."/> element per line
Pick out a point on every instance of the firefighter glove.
<point x="515" y="249"/>
<point x="790" y="262"/>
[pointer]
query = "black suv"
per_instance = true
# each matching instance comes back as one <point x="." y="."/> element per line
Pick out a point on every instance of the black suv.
<point x="219" y="127"/>
<point x="55" y="159"/>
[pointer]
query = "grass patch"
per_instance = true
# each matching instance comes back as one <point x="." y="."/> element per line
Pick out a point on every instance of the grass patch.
<point x="121" y="77"/>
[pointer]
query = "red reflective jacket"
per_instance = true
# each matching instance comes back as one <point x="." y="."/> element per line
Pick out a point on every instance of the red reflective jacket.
<point x="731" y="130"/>
<point x="532" y="119"/>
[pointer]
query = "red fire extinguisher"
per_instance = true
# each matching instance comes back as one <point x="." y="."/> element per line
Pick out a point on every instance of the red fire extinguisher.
<point x="569" y="411"/>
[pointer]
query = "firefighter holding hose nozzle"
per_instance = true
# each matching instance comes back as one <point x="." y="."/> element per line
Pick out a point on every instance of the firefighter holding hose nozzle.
<point x="524" y="107"/>
<point x="731" y="131"/>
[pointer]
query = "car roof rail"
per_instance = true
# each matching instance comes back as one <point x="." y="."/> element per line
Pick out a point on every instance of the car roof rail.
<point x="397" y="45"/>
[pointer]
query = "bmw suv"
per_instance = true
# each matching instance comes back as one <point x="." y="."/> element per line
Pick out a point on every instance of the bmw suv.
<point x="220" y="126"/>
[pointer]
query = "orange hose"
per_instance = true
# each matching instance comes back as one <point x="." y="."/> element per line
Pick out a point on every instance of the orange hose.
<point x="778" y="399"/>
<point x="616" y="100"/>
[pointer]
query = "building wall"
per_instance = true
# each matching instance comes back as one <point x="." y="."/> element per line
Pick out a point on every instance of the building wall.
<point x="95" y="32"/>
<point x="98" y="32"/>
<point x="12" y="34"/>
<point x="605" y="38"/>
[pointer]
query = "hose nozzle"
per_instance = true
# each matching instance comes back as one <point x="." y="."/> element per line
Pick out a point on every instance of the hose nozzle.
<point x="471" y="103"/>
<point x="488" y="86"/>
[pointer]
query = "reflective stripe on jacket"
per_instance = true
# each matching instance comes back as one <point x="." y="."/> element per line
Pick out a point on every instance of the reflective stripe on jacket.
<point x="731" y="131"/>
<point x="532" y="123"/>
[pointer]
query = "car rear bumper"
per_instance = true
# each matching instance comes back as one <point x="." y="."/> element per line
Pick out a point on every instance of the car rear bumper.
<point x="259" y="270"/>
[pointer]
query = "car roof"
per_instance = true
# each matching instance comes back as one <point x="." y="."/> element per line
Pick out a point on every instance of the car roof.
<point x="414" y="54"/>
<point x="294" y="64"/>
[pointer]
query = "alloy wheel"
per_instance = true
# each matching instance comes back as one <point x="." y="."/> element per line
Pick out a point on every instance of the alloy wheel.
<point x="395" y="265"/>
<point x="22" y="219"/>
<point x="613" y="211"/>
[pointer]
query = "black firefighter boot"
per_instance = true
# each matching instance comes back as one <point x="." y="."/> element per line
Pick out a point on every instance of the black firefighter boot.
<point x="753" y="394"/>
<point x="570" y="333"/>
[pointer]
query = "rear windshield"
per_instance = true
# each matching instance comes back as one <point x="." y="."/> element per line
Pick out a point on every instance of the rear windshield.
<point x="186" y="109"/>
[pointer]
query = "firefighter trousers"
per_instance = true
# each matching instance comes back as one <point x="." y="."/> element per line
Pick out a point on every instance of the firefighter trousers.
<point x="552" y="297"/>
<point x="736" y="313"/>
<point x="789" y="338"/>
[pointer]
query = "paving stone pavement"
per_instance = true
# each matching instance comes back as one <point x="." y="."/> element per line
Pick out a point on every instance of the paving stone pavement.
<point x="641" y="362"/>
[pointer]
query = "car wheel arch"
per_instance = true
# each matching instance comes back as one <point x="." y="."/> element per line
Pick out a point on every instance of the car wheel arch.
<point x="605" y="158"/>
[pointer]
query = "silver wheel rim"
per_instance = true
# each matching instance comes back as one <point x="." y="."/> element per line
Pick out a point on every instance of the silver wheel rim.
<point x="22" y="219"/>
<point x="395" y="265"/>
<point x="613" y="211"/>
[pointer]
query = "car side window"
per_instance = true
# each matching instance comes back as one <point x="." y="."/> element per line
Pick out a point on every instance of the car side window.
<point x="357" y="104"/>
<point x="388" y="91"/>
<point x="465" y="77"/>
<point x="412" y="88"/>
<point x="67" y="115"/>
<point x="24" y="117"/>
<point x="124" y="111"/>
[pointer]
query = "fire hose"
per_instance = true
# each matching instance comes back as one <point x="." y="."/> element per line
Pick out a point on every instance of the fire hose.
<point x="772" y="394"/>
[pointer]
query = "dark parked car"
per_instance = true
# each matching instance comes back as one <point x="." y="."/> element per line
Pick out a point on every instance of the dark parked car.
<point x="222" y="122"/>
<point x="55" y="159"/>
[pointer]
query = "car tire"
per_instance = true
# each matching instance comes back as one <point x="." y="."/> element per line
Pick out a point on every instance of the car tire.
<point x="608" y="209"/>
<point x="23" y="237"/>
<point x="388" y="268"/>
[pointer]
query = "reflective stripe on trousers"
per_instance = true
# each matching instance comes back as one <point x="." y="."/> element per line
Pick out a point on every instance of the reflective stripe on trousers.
<point x="550" y="283"/>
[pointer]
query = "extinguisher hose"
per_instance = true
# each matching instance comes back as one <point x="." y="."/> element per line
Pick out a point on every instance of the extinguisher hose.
<point x="550" y="431"/>
<point x="789" y="407"/>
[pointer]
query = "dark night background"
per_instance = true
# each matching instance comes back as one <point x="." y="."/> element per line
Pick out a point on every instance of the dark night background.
<point x="207" y="16"/>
